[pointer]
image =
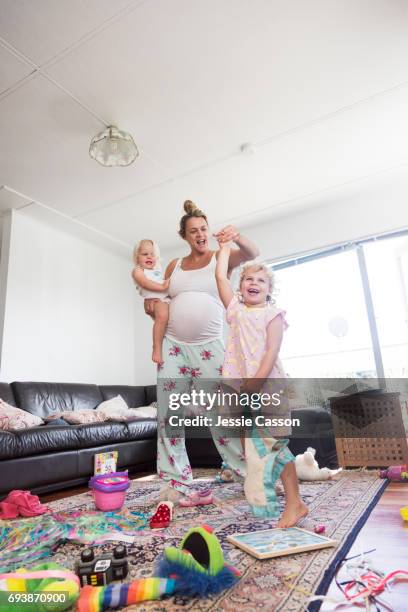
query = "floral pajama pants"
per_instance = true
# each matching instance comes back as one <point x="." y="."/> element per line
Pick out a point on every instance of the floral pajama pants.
<point x="186" y="367"/>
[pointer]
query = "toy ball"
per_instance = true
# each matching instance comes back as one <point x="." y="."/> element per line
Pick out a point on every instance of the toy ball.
<point x="319" y="529"/>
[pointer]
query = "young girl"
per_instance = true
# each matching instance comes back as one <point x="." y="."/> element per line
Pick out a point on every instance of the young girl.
<point x="149" y="280"/>
<point x="251" y="358"/>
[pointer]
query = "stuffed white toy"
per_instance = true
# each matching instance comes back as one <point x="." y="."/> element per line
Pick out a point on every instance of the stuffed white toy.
<point x="307" y="467"/>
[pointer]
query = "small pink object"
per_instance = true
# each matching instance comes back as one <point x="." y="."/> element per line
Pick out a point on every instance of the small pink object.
<point x="197" y="498"/>
<point x="396" y="473"/>
<point x="21" y="503"/>
<point x="109" y="490"/>
<point x="319" y="529"/>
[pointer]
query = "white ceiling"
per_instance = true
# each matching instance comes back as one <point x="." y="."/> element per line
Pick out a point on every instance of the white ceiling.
<point x="320" y="88"/>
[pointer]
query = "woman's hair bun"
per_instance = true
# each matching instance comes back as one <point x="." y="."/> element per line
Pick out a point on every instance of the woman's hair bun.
<point x="190" y="207"/>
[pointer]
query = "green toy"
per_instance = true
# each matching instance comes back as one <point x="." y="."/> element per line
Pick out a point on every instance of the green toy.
<point x="41" y="588"/>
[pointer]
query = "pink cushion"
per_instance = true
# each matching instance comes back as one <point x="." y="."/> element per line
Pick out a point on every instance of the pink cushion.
<point x="80" y="417"/>
<point x="15" y="418"/>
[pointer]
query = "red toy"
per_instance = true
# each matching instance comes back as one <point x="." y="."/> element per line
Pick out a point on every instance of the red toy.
<point x="396" y="473"/>
<point x="163" y="515"/>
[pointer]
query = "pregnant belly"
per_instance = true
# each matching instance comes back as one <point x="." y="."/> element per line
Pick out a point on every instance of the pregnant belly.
<point x="195" y="317"/>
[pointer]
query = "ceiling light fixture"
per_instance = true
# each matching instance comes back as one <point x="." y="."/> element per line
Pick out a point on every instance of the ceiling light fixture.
<point x="112" y="147"/>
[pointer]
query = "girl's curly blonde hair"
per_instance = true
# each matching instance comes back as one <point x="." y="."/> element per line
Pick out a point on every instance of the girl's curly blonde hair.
<point x="257" y="266"/>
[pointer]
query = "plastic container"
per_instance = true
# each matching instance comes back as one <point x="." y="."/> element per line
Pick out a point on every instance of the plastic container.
<point x="109" y="490"/>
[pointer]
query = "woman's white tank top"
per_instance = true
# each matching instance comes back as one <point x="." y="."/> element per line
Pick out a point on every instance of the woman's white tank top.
<point x="196" y="311"/>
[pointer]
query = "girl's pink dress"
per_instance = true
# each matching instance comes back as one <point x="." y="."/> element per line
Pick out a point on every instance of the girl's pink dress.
<point x="246" y="345"/>
<point x="266" y="451"/>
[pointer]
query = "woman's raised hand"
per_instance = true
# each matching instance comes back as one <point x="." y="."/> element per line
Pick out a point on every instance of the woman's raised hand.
<point x="229" y="233"/>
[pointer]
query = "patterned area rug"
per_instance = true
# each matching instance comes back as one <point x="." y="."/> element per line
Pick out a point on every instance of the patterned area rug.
<point x="278" y="584"/>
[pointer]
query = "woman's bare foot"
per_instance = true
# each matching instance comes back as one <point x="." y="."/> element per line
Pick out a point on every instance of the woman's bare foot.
<point x="157" y="356"/>
<point x="292" y="513"/>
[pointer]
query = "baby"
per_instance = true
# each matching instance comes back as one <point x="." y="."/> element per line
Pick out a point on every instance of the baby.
<point x="149" y="280"/>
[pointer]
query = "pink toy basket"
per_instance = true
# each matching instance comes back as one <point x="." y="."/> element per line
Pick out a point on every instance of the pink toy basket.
<point x="109" y="490"/>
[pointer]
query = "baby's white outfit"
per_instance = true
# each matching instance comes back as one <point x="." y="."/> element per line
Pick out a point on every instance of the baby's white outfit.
<point x="157" y="277"/>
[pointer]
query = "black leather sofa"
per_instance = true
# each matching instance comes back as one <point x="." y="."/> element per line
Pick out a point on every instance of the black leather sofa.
<point x="52" y="457"/>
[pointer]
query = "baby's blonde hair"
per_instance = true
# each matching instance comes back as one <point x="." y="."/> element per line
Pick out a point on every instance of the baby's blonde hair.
<point x="139" y="246"/>
<point x="257" y="266"/>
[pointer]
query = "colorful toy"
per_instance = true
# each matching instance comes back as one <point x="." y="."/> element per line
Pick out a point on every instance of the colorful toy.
<point x="307" y="467"/>
<point x="162" y="516"/>
<point x="319" y="529"/>
<point x="109" y="490"/>
<point x="195" y="568"/>
<point x="225" y="474"/>
<point x="404" y="513"/>
<point x="396" y="473"/>
<point x="203" y="497"/>
<point x="53" y="587"/>
<point x="101" y="570"/>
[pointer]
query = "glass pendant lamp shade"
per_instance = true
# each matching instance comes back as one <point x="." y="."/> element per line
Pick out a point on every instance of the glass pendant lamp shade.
<point x="112" y="147"/>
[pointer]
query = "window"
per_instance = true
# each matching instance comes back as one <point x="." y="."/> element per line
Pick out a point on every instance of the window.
<point x="331" y="332"/>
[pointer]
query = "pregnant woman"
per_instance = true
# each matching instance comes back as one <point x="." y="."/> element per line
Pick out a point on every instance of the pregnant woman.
<point x="193" y="346"/>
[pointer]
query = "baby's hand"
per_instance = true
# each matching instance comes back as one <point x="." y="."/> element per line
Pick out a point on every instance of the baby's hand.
<point x="166" y="284"/>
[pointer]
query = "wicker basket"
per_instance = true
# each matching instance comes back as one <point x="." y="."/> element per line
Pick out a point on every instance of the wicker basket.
<point x="369" y="430"/>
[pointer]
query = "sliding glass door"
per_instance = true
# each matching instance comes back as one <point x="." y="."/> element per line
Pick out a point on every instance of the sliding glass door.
<point x="347" y="310"/>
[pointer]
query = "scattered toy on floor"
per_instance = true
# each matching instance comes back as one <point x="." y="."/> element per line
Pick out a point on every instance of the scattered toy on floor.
<point x="24" y="541"/>
<point x="307" y="467"/>
<point x="103" y="569"/>
<point x="396" y="473"/>
<point x="109" y="490"/>
<point x="162" y="516"/>
<point x="202" y="497"/>
<point x="225" y="474"/>
<point x="55" y="588"/>
<point x="21" y="503"/>
<point x="404" y="513"/>
<point x="195" y="568"/>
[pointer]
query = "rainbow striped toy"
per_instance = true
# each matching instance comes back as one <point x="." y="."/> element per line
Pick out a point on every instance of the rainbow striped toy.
<point x="195" y="568"/>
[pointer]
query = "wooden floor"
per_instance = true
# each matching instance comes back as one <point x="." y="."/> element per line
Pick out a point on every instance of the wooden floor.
<point x="384" y="530"/>
<point x="388" y="534"/>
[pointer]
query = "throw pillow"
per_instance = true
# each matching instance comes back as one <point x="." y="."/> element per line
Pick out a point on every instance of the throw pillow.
<point x="114" y="407"/>
<point x="15" y="418"/>
<point x="82" y="417"/>
<point x="134" y="414"/>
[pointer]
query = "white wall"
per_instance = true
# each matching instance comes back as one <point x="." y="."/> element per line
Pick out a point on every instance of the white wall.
<point x="71" y="311"/>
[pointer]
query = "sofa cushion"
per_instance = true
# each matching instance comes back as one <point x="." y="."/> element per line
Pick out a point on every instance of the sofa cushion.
<point x="151" y="394"/>
<point x="44" y="399"/>
<point x="113" y="407"/>
<point x="133" y="396"/>
<point x="14" y="418"/>
<point x="109" y="432"/>
<point x="6" y="394"/>
<point x="39" y="440"/>
<point x="79" y="417"/>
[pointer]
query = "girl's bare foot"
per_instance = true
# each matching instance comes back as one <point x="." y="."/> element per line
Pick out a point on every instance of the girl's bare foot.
<point x="157" y="356"/>
<point x="292" y="514"/>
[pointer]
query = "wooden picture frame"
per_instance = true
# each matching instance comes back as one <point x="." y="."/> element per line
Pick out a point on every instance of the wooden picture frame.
<point x="269" y="543"/>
